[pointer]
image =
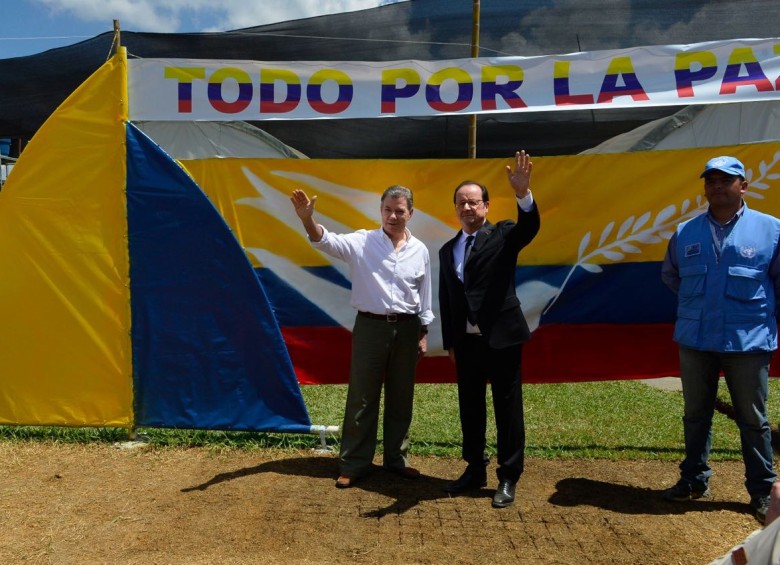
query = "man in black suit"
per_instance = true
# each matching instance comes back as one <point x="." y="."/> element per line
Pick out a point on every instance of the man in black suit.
<point x="483" y="328"/>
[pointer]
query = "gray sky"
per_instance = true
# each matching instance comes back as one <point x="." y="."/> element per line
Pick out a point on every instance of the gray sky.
<point x="32" y="26"/>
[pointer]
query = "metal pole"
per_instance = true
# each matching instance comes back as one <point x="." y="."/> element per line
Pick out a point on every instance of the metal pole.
<point x="474" y="54"/>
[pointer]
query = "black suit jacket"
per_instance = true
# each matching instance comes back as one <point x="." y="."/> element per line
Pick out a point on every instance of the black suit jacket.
<point x="488" y="287"/>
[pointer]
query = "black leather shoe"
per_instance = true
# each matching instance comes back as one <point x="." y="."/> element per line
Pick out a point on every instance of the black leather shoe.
<point x="505" y="494"/>
<point x="469" y="480"/>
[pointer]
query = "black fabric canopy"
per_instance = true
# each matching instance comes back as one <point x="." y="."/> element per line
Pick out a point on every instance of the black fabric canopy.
<point x="32" y="87"/>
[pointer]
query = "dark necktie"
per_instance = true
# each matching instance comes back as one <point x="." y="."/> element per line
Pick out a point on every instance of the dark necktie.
<point x="469" y="242"/>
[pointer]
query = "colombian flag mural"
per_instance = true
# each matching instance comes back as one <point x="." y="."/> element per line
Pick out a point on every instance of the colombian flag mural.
<point x="137" y="291"/>
<point x="589" y="283"/>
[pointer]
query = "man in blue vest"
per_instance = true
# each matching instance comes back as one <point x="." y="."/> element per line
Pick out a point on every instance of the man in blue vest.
<point x="725" y="269"/>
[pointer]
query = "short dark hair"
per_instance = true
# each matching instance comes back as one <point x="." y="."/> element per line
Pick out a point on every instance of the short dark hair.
<point x="398" y="191"/>
<point x="485" y="195"/>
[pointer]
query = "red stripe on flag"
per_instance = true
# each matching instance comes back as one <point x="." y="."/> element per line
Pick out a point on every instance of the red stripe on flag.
<point x="320" y="354"/>
<point x="600" y="352"/>
<point x="556" y="354"/>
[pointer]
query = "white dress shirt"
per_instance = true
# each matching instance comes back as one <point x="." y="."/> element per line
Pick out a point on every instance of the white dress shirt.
<point x="384" y="281"/>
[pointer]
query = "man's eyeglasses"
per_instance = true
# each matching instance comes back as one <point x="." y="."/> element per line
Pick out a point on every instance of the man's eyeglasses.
<point x="473" y="203"/>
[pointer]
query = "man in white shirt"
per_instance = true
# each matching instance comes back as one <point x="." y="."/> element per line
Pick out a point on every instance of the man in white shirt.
<point x="390" y="272"/>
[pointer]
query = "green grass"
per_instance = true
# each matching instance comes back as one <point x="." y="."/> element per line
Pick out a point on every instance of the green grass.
<point x="613" y="420"/>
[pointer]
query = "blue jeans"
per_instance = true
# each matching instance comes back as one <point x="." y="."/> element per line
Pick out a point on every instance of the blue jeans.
<point x="746" y="376"/>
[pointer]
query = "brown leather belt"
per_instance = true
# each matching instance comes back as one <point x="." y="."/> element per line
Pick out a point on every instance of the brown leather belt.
<point x="388" y="317"/>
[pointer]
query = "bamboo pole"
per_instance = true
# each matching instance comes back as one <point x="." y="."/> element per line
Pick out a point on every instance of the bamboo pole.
<point x="116" y="44"/>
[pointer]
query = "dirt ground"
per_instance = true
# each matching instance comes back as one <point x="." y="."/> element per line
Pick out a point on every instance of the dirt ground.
<point x="76" y="504"/>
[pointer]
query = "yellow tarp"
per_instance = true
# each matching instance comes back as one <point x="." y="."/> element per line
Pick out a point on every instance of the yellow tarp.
<point x="64" y="295"/>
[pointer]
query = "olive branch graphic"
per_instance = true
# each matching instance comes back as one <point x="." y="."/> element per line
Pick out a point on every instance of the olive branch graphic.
<point x="634" y="231"/>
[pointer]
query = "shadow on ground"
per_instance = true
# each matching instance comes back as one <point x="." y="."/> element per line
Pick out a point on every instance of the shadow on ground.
<point x="407" y="493"/>
<point x="626" y="499"/>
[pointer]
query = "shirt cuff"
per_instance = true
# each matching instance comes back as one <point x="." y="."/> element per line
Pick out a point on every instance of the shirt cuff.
<point x="526" y="203"/>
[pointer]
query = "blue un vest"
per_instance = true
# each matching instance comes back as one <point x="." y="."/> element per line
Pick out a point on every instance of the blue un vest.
<point x="727" y="303"/>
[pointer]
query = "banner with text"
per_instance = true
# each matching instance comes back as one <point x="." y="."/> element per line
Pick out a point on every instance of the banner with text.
<point x="219" y="90"/>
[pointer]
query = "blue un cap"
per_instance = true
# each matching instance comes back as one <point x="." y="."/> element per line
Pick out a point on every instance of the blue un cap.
<point x="729" y="165"/>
